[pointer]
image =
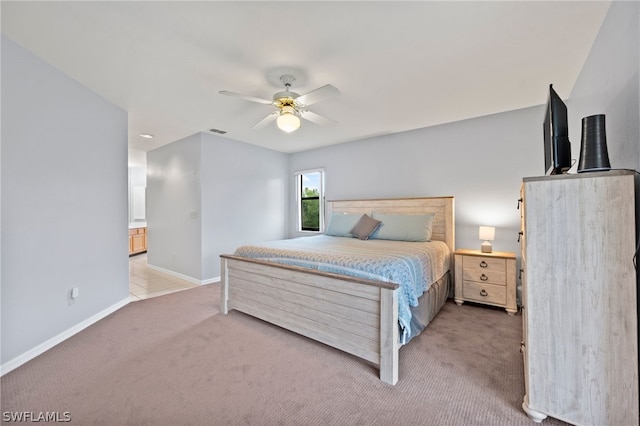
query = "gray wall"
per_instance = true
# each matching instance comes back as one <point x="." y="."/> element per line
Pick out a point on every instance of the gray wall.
<point x="480" y="162"/>
<point x="173" y="207"/>
<point x="206" y="195"/>
<point x="609" y="84"/>
<point x="244" y="197"/>
<point x="64" y="202"/>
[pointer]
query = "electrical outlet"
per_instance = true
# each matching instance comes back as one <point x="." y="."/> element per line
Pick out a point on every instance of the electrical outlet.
<point x="75" y="292"/>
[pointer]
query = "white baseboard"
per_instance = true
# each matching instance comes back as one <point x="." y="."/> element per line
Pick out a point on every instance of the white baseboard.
<point x="43" y="347"/>
<point x="184" y="277"/>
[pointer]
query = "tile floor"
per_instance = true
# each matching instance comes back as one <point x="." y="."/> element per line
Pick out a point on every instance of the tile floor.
<point x="145" y="282"/>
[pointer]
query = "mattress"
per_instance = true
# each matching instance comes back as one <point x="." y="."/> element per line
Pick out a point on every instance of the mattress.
<point x="414" y="266"/>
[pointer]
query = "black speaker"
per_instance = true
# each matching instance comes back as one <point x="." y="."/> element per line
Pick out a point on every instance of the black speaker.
<point x="594" y="156"/>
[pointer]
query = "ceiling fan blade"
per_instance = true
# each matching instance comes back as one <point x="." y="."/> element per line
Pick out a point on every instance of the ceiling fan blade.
<point x="266" y="121"/>
<point x="317" y="95"/>
<point x="245" y="97"/>
<point x="316" y="118"/>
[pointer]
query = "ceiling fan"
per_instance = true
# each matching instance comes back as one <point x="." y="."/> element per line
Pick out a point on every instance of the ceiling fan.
<point x="291" y="106"/>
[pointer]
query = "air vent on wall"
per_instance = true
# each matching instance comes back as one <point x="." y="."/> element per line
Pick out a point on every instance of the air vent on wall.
<point x="218" y="131"/>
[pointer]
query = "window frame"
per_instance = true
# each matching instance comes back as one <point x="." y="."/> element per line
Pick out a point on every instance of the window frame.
<point x="298" y="176"/>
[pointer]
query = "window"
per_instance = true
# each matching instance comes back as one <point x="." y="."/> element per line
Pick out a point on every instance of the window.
<point x="310" y="195"/>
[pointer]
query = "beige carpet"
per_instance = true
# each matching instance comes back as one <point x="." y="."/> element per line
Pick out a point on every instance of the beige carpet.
<point x="174" y="360"/>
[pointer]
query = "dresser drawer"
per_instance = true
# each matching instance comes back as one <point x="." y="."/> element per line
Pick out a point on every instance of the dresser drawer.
<point x="484" y="293"/>
<point x="484" y="270"/>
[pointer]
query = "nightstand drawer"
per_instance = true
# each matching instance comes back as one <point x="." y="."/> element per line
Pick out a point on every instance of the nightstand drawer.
<point x="483" y="264"/>
<point x="485" y="276"/>
<point x="484" y="293"/>
<point x="484" y="269"/>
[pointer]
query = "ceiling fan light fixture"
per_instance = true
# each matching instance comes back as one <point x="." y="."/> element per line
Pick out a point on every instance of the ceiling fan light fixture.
<point x="287" y="121"/>
<point x="291" y="107"/>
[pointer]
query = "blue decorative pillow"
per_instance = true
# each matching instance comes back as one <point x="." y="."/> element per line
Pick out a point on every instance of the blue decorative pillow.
<point x="340" y="225"/>
<point x="404" y="227"/>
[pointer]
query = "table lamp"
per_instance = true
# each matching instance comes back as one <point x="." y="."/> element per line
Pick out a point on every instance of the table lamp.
<point x="487" y="234"/>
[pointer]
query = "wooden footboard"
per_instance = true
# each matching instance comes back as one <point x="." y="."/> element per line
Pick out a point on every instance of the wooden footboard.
<point x="354" y="315"/>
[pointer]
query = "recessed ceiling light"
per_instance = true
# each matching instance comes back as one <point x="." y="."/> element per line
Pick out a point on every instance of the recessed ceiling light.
<point x="146" y="135"/>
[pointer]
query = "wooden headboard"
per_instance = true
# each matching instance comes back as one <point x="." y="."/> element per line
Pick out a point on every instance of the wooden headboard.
<point x="443" y="207"/>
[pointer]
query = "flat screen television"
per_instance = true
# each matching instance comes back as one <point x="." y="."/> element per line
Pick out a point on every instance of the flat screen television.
<point x="557" y="148"/>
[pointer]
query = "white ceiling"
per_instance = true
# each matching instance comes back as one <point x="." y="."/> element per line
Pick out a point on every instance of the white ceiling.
<point x="399" y="65"/>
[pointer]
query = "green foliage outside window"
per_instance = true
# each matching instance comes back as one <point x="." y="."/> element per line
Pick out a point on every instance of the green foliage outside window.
<point x="310" y="210"/>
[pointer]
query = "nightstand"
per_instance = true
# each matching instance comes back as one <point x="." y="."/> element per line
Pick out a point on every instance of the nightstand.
<point x="488" y="278"/>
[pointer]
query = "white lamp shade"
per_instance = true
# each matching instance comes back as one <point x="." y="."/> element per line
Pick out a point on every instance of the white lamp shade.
<point x="487" y="233"/>
<point x="288" y="122"/>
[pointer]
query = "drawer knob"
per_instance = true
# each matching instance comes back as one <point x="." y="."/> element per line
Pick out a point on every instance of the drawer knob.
<point x="484" y="293"/>
<point x="483" y="277"/>
<point x="483" y="264"/>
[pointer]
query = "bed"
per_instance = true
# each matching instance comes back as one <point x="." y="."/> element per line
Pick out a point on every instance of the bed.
<point x="356" y="313"/>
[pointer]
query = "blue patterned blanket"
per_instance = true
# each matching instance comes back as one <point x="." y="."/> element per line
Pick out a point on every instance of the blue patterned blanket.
<point x="414" y="266"/>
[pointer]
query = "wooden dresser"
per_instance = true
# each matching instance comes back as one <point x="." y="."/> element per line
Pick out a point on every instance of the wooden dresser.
<point x="579" y="289"/>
